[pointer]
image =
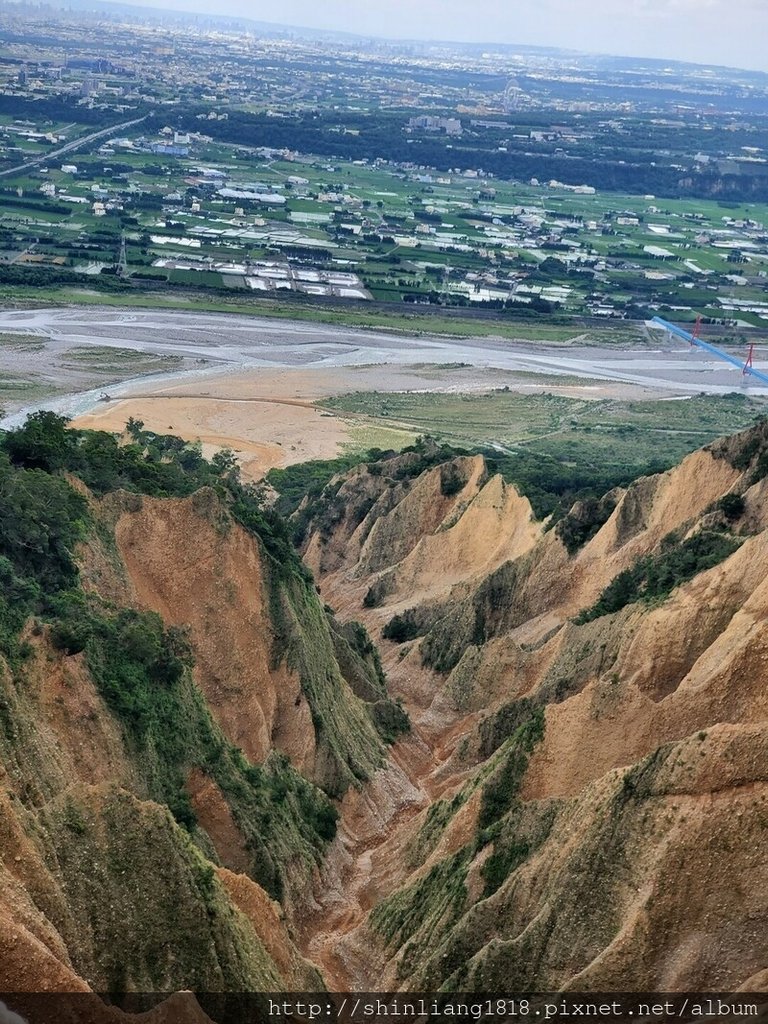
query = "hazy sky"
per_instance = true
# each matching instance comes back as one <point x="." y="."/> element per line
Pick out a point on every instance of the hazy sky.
<point x="733" y="32"/>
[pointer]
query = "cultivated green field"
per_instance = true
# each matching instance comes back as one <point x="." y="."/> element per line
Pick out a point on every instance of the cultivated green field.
<point x="413" y="240"/>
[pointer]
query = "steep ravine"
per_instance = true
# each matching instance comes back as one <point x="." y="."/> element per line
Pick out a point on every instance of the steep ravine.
<point x="607" y="763"/>
<point x="365" y="864"/>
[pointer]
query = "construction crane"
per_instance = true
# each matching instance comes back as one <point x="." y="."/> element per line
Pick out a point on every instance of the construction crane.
<point x="747" y="367"/>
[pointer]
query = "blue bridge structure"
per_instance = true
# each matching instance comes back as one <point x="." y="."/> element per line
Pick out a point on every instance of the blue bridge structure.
<point x="746" y="367"/>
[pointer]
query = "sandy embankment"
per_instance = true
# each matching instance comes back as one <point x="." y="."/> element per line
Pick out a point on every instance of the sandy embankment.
<point x="268" y="419"/>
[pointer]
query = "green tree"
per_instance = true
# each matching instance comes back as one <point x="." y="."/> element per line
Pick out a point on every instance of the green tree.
<point x="43" y="442"/>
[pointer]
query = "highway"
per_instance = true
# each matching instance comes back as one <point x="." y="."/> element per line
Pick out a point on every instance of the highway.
<point x="71" y="147"/>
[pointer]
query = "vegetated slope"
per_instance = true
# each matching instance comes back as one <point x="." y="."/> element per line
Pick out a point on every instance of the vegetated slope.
<point x="592" y="700"/>
<point x="177" y="713"/>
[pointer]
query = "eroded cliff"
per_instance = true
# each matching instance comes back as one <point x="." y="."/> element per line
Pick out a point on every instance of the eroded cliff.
<point x="489" y="753"/>
<point x="590" y="702"/>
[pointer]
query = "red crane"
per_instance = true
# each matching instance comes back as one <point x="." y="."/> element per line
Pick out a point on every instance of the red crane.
<point x="696" y="330"/>
<point x="750" y="359"/>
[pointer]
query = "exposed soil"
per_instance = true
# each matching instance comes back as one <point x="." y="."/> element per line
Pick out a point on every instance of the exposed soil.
<point x="297" y="430"/>
<point x="216" y="587"/>
<point x="366" y="862"/>
<point x="270" y="418"/>
<point x="652" y="763"/>
<point x="689" y="674"/>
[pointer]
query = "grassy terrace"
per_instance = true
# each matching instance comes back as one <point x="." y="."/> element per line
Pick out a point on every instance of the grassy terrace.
<point x="606" y="435"/>
<point x="119" y="362"/>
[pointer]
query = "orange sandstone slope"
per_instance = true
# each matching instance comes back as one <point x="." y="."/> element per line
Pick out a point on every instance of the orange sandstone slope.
<point x="163" y="857"/>
<point x="592" y="699"/>
<point x="580" y="801"/>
